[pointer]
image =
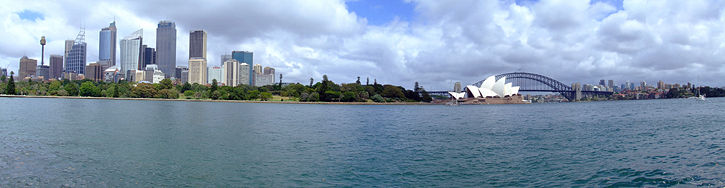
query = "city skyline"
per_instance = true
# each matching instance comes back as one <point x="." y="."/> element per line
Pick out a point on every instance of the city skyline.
<point x="599" y="40"/>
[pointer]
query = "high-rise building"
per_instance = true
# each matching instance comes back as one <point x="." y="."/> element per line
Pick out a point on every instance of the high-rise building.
<point x="230" y="77"/>
<point x="149" y="56"/>
<point x="244" y="78"/>
<point x="177" y="73"/>
<point x="457" y="87"/>
<point x="248" y="58"/>
<point x="75" y="61"/>
<point x="4" y="72"/>
<point x="214" y="72"/>
<point x="111" y="74"/>
<point x="68" y="47"/>
<point x="43" y="71"/>
<point x="197" y="71"/>
<point x="197" y="44"/>
<point x="56" y="66"/>
<point x="27" y="67"/>
<point x="269" y="70"/>
<point x="257" y="69"/>
<point x="225" y="57"/>
<point x="611" y="84"/>
<point x="166" y="47"/>
<point x="131" y="52"/>
<point x="107" y="45"/>
<point x="184" y="76"/>
<point x="94" y="71"/>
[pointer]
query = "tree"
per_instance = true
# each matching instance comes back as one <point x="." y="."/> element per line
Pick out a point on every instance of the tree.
<point x="416" y="88"/>
<point x="378" y="98"/>
<point x="143" y="90"/>
<point x="254" y="94"/>
<point x="88" y="89"/>
<point x="391" y="91"/>
<point x="10" y="90"/>
<point x="280" y="81"/>
<point x="358" y="80"/>
<point x="71" y="88"/>
<point x="311" y="81"/>
<point x="168" y="94"/>
<point x="214" y="85"/>
<point x="166" y="84"/>
<point x="265" y="96"/>
<point x="2" y="78"/>
<point x="185" y="87"/>
<point x="367" y="81"/>
<point x="349" y="96"/>
<point x="426" y="96"/>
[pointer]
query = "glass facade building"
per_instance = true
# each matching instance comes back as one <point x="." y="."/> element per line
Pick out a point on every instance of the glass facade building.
<point x="166" y="47"/>
<point x="245" y="57"/>
<point x="107" y="45"/>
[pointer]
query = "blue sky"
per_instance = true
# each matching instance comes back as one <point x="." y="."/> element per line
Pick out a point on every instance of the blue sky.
<point x="379" y="12"/>
<point x="30" y="15"/>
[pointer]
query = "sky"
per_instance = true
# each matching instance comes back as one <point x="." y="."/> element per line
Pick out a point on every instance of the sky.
<point x="433" y="42"/>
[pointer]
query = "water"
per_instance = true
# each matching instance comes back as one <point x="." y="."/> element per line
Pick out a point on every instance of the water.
<point x="71" y="142"/>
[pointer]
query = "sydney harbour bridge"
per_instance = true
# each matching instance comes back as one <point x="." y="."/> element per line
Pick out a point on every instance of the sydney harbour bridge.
<point x="530" y="82"/>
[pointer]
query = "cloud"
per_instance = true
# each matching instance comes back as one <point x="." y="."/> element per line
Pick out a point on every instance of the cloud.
<point x="580" y="41"/>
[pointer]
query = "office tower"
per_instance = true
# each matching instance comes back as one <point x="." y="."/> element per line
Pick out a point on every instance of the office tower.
<point x="643" y="85"/>
<point x="131" y="52"/>
<point x="457" y="87"/>
<point x="611" y="84"/>
<point x="197" y="71"/>
<point x="230" y="77"/>
<point x="56" y="66"/>
<point x="94" y="71"/>
<point x="184" y="76"/>
<point x="268" y="70"/>
<point x="68" y="47"/>
<point x="111" y="74"/>
<point x="246" y="57"/>
<point x="75" y="61"/>
<point x="197" y="44"/>
<point x="149" y="56"/>
<point x="225" y="57"/>
<point x="107" y="45"/>
<point x="244" y="78"/>
<point x="4" y="72"/>
<point x="177" y="72"/>
<point x="214" y="72"/>
<point x="257" y="69"/>
<point x="166" y="47"/>
<point x="43" y="71"/>
<point x="660" y="85"/>
<point x="27" y="67"/>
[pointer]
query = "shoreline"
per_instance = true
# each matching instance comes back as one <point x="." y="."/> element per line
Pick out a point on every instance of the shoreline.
<point x="209" y="100"/>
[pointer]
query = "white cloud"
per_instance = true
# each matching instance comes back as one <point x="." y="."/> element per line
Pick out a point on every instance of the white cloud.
<point x="675" y="41"/>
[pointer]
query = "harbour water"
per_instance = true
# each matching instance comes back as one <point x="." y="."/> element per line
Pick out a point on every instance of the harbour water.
<point x="98" y="143"/>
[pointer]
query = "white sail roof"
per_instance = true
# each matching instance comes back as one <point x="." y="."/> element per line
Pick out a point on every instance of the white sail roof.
<point x="486" y="92"/>
<point x="488" y="83"/>
<point x="474" y="91"/>
<point x="515" y="90"/>
<point x="457" y="95"/>
<point x="507" y="89"/>
<point x="499" y="87"/>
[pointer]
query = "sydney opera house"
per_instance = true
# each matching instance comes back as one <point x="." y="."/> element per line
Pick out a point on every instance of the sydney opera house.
<point x="491" y="91"/>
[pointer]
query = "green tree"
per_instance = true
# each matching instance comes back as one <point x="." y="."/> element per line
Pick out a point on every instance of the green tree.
<point x="188" y="93"/>
<point x="391" y="91"/>
<point x="377" y="98"/>
<point x="349" y="96"/>
<point x="185" y="87"/>
<point x="88" y="89"/>
<point x="254" y="94"/>
<point x="214" y="85"/>
<point x="71" y="88"/>
<point x="166" y="84"/>
<point x="265" y="96"/>
<point x="168" y="94"/>
<point x="143" y="90"/>
<point x="10" y="90"/>
<point x="426" y="96"/>
<point x="2" y="78"/>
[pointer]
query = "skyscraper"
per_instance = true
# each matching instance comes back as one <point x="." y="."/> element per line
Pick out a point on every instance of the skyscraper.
<point x="75" y="61"/>
<point x="246" y="57"/>
<point x="257" y="69"/>
<point x="166" y="47"/>
<point x="197" y="44"/>
<point x="107" y="45"/>
<point x="244" y="78"/>
<point x="56" y="66"/>
<point x="225" y="57"/>
<point x="230" y="77"/>
<point x="27" y="67"/>
<point x="131" y="51"/>
<point x="94" y="71"/>
<point x="68" y="47"/>
<point x="197" y="71"/>
<point x="214" y="72"/>
<point x="149" y="56"/>
<point x="269" y="70"/>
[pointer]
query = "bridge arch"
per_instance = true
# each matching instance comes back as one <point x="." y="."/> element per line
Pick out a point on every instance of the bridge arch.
<point x="536" y="83"/>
